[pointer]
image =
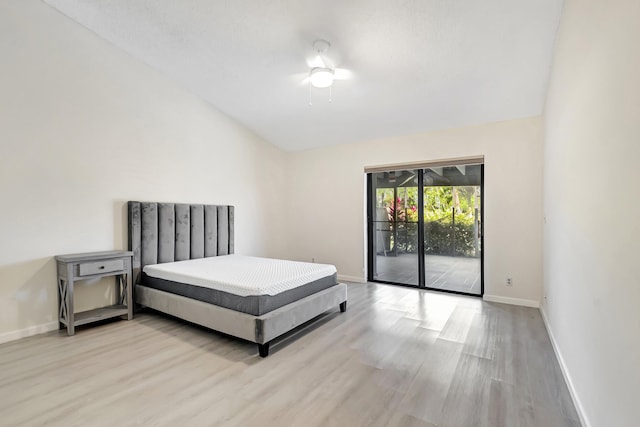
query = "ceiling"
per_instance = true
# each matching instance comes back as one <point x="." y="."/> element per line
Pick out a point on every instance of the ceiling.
<point x="416" y="65"/>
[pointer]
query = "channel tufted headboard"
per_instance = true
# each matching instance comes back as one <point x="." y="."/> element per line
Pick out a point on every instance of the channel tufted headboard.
<point x="168" y="232"/>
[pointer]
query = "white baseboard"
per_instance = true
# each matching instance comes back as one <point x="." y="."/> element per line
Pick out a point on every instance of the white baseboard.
<point x="512" y="301"/>
<point x="343" y="278"/>
<point x="565" y="373"/>
<point x="27" y="332"/>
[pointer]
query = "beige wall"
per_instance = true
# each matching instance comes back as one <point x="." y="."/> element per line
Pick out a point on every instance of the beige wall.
<point x="592" y="208"/>
<point x="326" y="199"/>
<point x="83" y="128"/>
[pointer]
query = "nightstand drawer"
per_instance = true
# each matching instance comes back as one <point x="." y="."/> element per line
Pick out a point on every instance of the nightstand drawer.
<point x="89" y="268"/>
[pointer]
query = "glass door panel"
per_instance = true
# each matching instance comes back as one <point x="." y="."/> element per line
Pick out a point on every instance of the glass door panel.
<point x="393" y="222"/>
<point x="452" y="198"/>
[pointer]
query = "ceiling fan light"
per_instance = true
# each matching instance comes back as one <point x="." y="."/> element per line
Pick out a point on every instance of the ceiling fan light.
<point x="321" y="77"/>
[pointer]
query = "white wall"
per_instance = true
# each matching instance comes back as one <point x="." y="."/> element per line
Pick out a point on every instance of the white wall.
<point x="592" y="208"/>
<point x="326" y="199"/>
<point x="84" y="128"/>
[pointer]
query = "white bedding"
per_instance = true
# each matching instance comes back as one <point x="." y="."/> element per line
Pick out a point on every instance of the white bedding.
<point x="241" y="275"/>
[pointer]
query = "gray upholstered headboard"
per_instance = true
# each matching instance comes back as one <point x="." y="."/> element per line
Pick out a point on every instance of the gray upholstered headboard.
<point x="167" y="232"/>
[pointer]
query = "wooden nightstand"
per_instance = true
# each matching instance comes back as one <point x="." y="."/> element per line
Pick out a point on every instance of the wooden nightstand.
<point x="94" y="265"/>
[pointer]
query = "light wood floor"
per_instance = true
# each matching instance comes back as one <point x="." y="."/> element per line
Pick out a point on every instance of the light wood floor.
<point x="397" y="357"/>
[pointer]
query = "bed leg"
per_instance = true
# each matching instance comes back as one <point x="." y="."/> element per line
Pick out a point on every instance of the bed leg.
<point x="263" y="349"/>
<point x="343" y="306"/>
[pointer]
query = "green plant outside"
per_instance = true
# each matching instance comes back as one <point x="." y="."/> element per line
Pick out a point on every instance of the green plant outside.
<point x="443" y="206"/>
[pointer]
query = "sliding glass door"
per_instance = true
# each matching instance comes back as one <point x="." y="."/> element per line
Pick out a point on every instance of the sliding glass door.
<point x="395" y="226"/>
<point x="452" y="228"/>
<point x="425" y="227"/>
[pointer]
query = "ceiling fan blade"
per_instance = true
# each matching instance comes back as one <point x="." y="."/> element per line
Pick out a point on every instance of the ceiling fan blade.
<point x="342" y="74"/>
<point x="301" y="79"/>
<point x="318" y="61"/>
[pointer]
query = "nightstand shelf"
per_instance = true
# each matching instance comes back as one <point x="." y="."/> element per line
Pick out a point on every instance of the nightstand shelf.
<point x="91" y="266"/>
<point x="97" y="314"/>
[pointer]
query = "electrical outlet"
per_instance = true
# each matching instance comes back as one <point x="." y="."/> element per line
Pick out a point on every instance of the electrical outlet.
<point x="509" y="281"/>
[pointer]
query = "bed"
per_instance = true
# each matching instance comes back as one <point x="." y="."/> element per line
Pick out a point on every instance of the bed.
<point x="184" y="265"/>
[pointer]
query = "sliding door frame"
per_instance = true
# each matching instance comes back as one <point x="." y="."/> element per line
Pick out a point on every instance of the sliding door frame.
<point x="421" y="261"/>
<point x="370" y="229"/>
<point x="421" y="235"/>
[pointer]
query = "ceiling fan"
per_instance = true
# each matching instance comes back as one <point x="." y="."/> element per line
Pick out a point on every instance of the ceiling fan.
<point x="323" y="71"/>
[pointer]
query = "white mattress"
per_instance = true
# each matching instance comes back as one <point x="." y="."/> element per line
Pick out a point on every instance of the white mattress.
<point x="241" y="275"/>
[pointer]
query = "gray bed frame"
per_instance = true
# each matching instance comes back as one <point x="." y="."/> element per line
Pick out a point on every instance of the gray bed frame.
<point x="168" y="232"/>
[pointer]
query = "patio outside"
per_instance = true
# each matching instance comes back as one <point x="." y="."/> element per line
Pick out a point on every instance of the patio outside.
<point x="449" y="273"/>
